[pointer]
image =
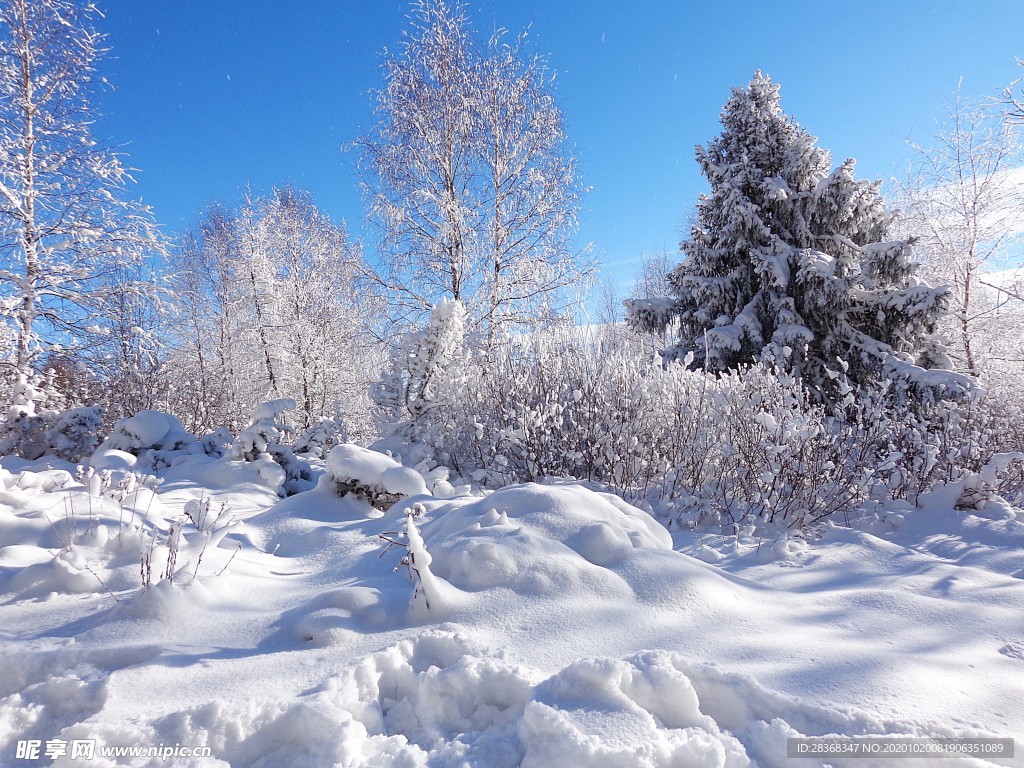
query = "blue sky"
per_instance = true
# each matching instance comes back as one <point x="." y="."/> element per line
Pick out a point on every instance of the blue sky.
<point x="212" y="94"/>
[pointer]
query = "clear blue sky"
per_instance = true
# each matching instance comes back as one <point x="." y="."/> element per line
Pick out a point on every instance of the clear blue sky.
<point x="212" y="94"/>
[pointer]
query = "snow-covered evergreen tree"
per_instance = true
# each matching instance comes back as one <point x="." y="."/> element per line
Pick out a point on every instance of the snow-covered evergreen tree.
<point x="789" y="262"/>
<point x="264" y="444"/>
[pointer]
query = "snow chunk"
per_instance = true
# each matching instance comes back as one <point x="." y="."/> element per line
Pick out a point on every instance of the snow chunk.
<point x="645" y="709"/>
<point x="766" y="420"/>
<point x="146" y="428"/>
<point x="112" y="459"/>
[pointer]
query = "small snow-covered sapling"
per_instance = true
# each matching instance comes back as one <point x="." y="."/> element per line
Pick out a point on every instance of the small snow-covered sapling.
<point x="417" y="559"/>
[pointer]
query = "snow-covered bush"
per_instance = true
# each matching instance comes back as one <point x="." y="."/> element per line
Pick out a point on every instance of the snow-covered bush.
<point x="156" y="438"/>
<point x="370" y="475"/>
<point x="263" y="444"/>
<point x="421" y="365"/>
<point x="928" y="443"/>
<point x="417" y="559"/>
<point x="32" y="430"/>
<point x="318" y="439"/>
<point x="217" y="443"/>
<point x="70" y="435"/>
<point x="566" y="405"/>
<point x="722" y="448"/>
<point x="179" y="551"/>
<point x="266" y="430"/>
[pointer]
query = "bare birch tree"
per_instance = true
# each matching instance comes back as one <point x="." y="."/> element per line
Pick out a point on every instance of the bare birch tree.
<point x="269" y="306"/>
<point x="65" y="225"/>
<point x="963" y="200"/>
<point x="469" y="175"/>
<point x="327" y="358"/>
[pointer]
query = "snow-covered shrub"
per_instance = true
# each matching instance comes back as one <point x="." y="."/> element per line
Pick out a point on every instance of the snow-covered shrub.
<point x="75" y="432"/>
<point x="32" y="430"/>
<point x="370" y="475"/>
<point x="263" y="444"/>
<point x="156" y="438"/>
<point x="422" y="364"/>
<point x="70" y="435"/>
<point x="318" y="439"/>
<point x="569" y="405"/>
<point x="417" y="559"/>
<point x="179" y="551"/>
<point x="699" y="446"/>
<point x="217" y="443"/>
<point x="267" y="429"/>
<point x="1002" y="475"/>
<point x="927" y="443"/>
<point x="781" y="458"/>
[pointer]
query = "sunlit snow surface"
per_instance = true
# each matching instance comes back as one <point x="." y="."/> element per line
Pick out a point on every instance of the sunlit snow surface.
<point x="564" y="628"/>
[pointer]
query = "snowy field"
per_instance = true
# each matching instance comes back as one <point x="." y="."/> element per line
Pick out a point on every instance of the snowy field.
<point x="548" y="626"/>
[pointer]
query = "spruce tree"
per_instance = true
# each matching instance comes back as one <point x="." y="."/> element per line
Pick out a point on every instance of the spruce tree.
<point x="789" y="262"/>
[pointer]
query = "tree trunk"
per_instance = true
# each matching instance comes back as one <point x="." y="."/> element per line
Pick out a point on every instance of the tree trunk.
<point x="30" y="237"/>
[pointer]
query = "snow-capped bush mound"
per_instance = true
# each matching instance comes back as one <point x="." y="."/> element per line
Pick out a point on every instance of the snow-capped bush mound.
<point x="217" y="443"/>
<point x="35" y="426"/>
<point x="263" y="444"/>
<point x="378" y="478"/>
<point x="69" y="435"/>
<point x="267" y="429"/>
<point x="318" y="439"/>
<point x="157" y="439"/>
<point x="149" y="429"/>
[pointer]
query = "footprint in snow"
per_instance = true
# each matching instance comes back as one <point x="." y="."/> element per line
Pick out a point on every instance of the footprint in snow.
<point x="1013" y="650"/>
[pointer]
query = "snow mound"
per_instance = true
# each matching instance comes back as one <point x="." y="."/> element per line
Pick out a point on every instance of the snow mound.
<point x="113" y="459"/>
<point x="535" y="650"/>
<point x="464" y="705"/>
<point x="538" y="539"/>
<point x="77" y="534"/>
<point x="441" y="691"/>
<point x="352" y="467"/>
<point x="644" y="708"/>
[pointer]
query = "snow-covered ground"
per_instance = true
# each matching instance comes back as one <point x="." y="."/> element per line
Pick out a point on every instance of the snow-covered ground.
<point x="548" y="626"/>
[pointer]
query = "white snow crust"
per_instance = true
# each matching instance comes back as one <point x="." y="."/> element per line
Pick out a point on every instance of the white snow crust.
<point x="564" y="628"/>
